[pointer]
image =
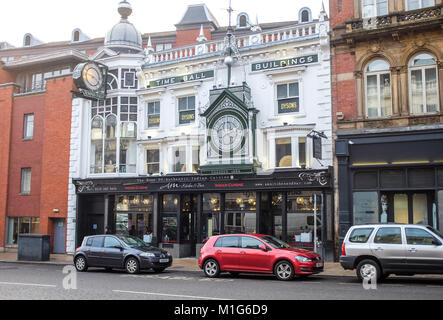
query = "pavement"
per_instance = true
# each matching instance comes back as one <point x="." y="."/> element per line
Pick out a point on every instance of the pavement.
<point x="180" y="264"/>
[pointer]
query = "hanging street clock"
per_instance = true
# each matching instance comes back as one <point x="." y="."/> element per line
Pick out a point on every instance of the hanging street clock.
<point x="90" y="79"/>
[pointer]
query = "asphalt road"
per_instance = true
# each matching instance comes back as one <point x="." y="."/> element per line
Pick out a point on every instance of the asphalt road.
<point x="48" y="282"/>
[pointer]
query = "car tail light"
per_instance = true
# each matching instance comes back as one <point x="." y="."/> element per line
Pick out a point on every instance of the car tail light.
<point x="343" y="249"/>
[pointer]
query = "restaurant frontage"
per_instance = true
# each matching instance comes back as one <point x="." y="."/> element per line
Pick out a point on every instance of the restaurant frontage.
<point x="182" y="211"/>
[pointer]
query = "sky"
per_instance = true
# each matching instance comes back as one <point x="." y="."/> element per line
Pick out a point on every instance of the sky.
<point x="54" y="20"/>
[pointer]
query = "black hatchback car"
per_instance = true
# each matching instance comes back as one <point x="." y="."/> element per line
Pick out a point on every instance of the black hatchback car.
<point x="120" y="252"/>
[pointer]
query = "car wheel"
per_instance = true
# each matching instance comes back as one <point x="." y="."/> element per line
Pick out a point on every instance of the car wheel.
<point x="159" y="270"/>
<point x="211" y="268"/>
<point x="284" y="270"/>
<point x="132" y="266"/>
<point x="368" y="270"/>
<point x="80" y="264"/>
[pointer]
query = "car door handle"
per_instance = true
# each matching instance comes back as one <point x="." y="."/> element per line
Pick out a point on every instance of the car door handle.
<point x="242" y="252"/>
<point x="412" y="250"/>
<point x="379" y="249"/>
<point x="218" y="251"/>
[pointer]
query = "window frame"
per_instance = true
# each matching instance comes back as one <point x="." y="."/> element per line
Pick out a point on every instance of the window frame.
<point x="295" y="150"/>
<point x="26" y="135"/>
<point x="22" y="181"/>
<point x="374" y="9"/>
<point x="419" y="7"/>
<point x="154" y="103"/>
<point x="179" y="123"/>
<point x="152" y="163"/>
<point x="288" y="96"/>
<point x="423" y="83"/>
<point x="378" y="74"/>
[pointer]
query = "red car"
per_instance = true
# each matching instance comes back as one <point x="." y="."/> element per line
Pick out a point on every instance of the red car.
<point x="256" y="253"/>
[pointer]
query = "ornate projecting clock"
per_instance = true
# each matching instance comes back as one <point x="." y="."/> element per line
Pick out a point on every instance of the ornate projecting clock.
<point x="227" y="133"/>
<point x="90" y="79"/>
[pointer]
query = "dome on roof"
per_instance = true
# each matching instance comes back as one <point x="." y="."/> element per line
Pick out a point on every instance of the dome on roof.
<point x="124" y="36"/>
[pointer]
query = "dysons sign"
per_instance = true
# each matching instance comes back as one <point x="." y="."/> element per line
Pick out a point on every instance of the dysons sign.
<point x="284" y="63"/>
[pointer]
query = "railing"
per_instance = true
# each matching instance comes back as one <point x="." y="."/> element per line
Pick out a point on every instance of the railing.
<point x="394" y="18"/>
<point x="272" y="36"/>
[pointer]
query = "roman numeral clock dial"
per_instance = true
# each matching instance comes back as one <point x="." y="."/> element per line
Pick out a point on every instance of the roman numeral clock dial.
<point x="227" y="134"/>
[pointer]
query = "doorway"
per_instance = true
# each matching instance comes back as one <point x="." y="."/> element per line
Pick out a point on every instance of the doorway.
<point x="59" y="228"/>
<point x="412" y="207"/>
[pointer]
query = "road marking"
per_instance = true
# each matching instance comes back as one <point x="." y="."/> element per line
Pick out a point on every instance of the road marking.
<point x="28" y="284"/>
<point x="434" y="286"/>
<point x="350" y="284"/>
<point x="168" y="295"/>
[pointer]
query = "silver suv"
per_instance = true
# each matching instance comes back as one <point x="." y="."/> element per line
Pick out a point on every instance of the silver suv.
<point x="378" y="250"/>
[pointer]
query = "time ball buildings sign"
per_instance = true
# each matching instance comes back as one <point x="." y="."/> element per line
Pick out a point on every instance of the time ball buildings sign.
<point x="291" y="62"/>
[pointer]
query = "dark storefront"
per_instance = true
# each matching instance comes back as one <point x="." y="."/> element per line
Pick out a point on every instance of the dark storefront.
<point x="391" y="177"/>
<point x="182" y="211"/>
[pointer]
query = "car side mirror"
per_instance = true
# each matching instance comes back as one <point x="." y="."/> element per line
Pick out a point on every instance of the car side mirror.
<point x="118" y="247"/>
<point x="263" y="247"/>
<point x="436" y="242"/>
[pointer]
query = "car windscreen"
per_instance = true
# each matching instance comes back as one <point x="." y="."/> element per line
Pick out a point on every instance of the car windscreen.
<point x="275" y="243"/>
<point x="132" y="242"/>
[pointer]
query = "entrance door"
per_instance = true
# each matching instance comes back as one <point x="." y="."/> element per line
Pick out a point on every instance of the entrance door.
<point x="406" y="207"/>
<point x="59" y="236"/>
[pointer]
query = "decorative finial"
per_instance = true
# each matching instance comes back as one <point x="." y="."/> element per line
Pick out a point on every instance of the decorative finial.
<point x="125" y="9"/>
<point x="201" y="37"/>
<point x="256" y="27"/>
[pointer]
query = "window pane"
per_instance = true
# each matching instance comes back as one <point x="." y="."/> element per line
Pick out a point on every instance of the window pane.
<point x="392" y="178"/>
<point x="240" y="201"/>
<point x="382" y="7"/>
<point x="170" y="202"/>
<point x="28" y="126"/>
<point x="26" y="181"/>
<point x="365" y="207"/>
<point x="372" y="96"/>
<point x="378" y="65"/>
<point x="12" y="236"/>
<point x="97" y="242"/>
<point x="195" y="159"/>
<point x="417" y="236"/>
<point x="282" y="91"/>
<point x="417" y="91"/>
<point x="388" y="236"/>
<point x="293" y="89"/>
<point x="229" y="242"/>
<point x="169" y="232"/>
<point x="191" y="103"/>
<point x="428" y="3"/>
<point x="368" y="7"/>
<point x="302" y="151"/>
<point x="360" y="235"/>
<point x="420" y="208"/>
<point x="153" y="155"/>
<point x="421" y="177"/>
<point x="182" y="104"/>
<point x="250" y="243"/>
<point x="431" y="90"/>
<point x="413" y="4"/>
<point x="111" y="242"/>
<point x="283" y="152"/>
<point x="385" y="94"/>
<point x="180" y="159"/>
<point x="211" y="202"/>
<point x="401" y="208"/>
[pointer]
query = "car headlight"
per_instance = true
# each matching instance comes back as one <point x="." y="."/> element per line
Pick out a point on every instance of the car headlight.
<point x="303" y="259"/>
<point x="168" y="254"/>
<point x="147" y="255"/>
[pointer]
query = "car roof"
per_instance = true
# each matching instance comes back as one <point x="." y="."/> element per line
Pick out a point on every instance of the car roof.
<point x="389" y="224"/>
<point x="242" y="235"/>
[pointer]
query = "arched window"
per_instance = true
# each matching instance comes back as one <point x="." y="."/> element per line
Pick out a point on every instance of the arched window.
<point x="423" y="84"/>
<point x="76" y="36"/>
<point x="378" y="89"/>
<point x="242" y="21"/>
<point x="110" y="144"/>
<point x="305" y="16"/>
<point x="27" y="41"/>
<point x="96" y="161"/>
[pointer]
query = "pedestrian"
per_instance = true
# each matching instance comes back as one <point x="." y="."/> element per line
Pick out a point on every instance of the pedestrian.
<point x="147" y="238"/>
<point x="108" y="230"/>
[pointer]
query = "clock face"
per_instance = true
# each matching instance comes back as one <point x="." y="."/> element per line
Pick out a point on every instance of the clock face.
<point x="92" y="76"/>
<point x="227" y="133"/>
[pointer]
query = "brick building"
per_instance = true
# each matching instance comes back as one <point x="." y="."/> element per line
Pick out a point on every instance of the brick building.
<point x="62" y="170"/>
<point x="387" y="91"/>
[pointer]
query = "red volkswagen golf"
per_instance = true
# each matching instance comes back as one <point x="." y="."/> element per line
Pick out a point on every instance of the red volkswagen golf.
<point x="256" y="253"/>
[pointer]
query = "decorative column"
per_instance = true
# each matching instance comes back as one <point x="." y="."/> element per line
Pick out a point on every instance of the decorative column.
<point x="440" y="83"/>
<point x="403" y="91"/>
<point x="359" y="83"/>
<point x="395" y="82"/>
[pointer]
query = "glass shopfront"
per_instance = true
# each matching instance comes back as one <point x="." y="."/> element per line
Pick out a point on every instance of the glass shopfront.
<point x="133" y="215"/>
<point x="240" y="213"/>
<point x="211" y="215"/>
<point x="169" y="218"/>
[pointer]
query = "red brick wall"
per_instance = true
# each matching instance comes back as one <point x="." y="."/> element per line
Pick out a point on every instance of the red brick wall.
<point x="56" y="151"/>
<point x="5" y="76"/>
<point x="26" y="154"/>
<point x="344" y="97"/>
<point x="188" y="37"/>
<point x="340" y="11"/>
<point x="6" y="102"/>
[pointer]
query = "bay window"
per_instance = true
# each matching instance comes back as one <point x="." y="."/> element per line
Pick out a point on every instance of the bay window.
<point x="288" y="152"/>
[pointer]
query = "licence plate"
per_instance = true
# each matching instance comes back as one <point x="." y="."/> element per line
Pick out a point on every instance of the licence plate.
<point x="319" y="265"/>
<point x="164" y="260"/>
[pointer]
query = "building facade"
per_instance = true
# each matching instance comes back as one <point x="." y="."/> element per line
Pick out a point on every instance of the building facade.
<point x="387" y="93"/>
<point x="207" y="130"/>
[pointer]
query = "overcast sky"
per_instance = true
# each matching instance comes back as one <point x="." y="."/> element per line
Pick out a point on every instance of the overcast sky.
<point x="54" y="20"/>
